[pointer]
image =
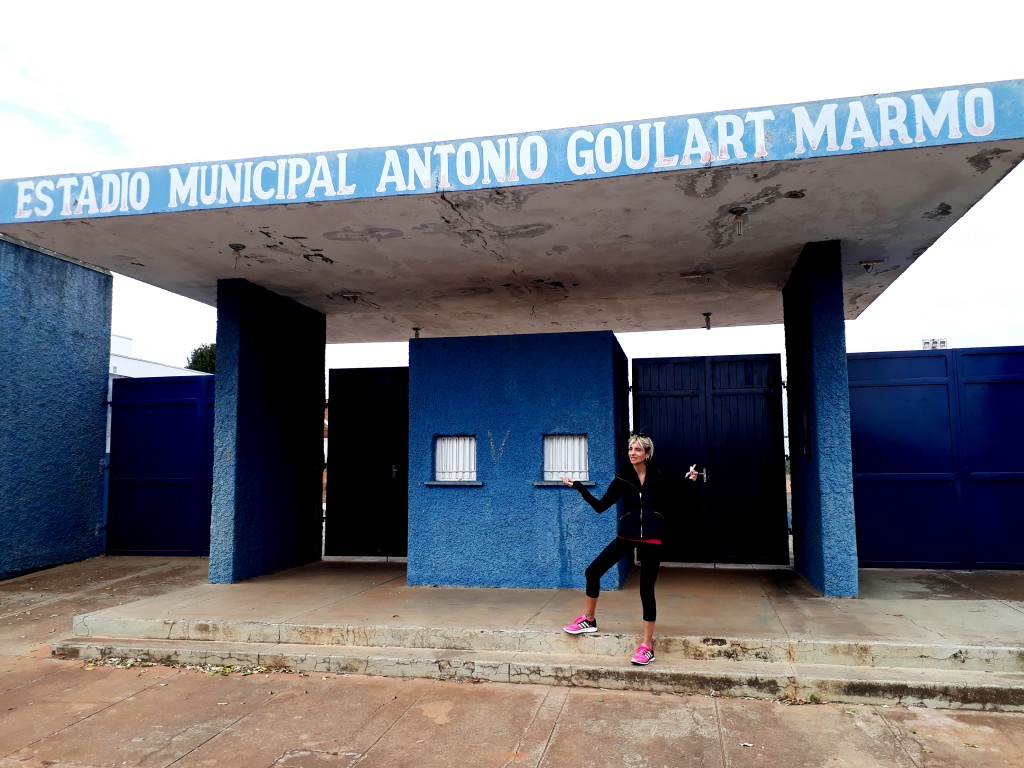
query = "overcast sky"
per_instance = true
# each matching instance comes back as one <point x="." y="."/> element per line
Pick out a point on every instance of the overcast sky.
<point x="96" y="86"/>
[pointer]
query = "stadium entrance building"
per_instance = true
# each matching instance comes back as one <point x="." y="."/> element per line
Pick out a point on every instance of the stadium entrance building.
<point x="509" y="261"/>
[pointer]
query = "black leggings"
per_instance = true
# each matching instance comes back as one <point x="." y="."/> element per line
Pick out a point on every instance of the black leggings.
<point x="650" y="561"/>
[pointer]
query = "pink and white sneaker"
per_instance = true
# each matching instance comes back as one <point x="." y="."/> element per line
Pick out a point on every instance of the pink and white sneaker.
<point x="581" y="625"/>
<point x="644" y="655"/>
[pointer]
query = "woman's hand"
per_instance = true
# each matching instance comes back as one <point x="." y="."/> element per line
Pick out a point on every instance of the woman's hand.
<point x="568" y="481"/>
<point x="692" y="474"/>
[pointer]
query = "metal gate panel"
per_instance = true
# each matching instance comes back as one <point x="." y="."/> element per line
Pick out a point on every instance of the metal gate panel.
<point x="161" y="466"/>
<point x="724" y="413"/>
<point x="368" y="463"/>
<point x="938" y="467"/>
<point x="902" y="411"/>
<point x="991" y="396"/>
<point x="672" y="392"/>
<point x="747" y="446"/>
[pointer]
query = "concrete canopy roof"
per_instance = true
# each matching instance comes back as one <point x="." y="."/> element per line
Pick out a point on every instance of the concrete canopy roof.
<point x="625" y="227"/>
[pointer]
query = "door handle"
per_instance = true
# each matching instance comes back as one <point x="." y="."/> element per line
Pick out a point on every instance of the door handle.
<point x="394" y="471"/>
<point x="704" y="474"/>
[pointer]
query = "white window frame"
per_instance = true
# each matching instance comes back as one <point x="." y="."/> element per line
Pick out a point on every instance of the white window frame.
<point x="455" y="459"/>
<point x="566" y="456"/>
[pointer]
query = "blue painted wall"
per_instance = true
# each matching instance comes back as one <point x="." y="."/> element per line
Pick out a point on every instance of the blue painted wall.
<point x="510" y="391"/>
<point x="824" y="528"/>
<point x="55" y="348"/>
<point x="268" y="433"/>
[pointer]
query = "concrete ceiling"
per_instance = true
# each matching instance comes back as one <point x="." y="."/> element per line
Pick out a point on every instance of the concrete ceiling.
<point x="632" y="253"/>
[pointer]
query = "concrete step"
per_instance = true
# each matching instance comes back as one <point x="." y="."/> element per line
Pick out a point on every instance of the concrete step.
<point x="798" y="650"/>
<point x="950" y="688"/>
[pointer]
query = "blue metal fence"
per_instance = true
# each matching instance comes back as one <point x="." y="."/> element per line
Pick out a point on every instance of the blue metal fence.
<point x="161" y="465"/>
<point x="938" y="464"/>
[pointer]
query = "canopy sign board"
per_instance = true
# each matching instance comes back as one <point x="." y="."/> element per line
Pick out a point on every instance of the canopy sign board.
<point x="965" y="114"/>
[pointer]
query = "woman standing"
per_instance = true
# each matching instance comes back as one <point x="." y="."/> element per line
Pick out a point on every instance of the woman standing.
<point x="644" y="493"/>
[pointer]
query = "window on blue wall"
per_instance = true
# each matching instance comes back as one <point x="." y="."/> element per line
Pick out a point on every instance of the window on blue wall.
<point x="455" y="459"/>
<point x="566" y="456"/>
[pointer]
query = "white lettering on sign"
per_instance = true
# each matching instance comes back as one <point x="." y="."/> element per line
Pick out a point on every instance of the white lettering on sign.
<point x="485" y="161"/>
<point x="282" y="179"/>
<point x="858" y="127"/>
<point x="814" y="131"/>
<point x="978" y="104"/>
<point x="821" y="128"/>
<point x="758" y="119"/>
<point x="696" y="143"/>
<point x="730" y="134"/>
<point x="642" y="157"/>
<point x="892" y="116"/>
<point x="897" y="115"/>
<point x="90" y="194"/>
<point x="662" y="160"/>
<point x="581" y="161"/>
<point x="946" y="113"/>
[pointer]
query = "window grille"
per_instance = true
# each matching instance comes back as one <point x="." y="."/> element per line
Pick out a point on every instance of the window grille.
<point x="566" y="456"/>
<point x="455" y="459"/>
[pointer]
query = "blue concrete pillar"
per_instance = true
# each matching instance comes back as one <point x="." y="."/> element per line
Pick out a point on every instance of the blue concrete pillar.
<point x="55" y="347"/>
<point x="268" y="433"/>
<point x="824" y="528"/>
<point x="509" y="527"/>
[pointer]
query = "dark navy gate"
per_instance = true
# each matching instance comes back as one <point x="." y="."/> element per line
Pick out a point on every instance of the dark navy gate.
<point x="938" y="461"/>
<point x="161" y="466"/>
<point x="725" y="414"/>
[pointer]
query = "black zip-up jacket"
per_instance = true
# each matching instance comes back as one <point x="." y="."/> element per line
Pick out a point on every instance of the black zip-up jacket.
<point x="643" y="506"/>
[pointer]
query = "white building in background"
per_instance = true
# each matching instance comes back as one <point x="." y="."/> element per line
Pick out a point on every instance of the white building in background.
<point x="123" y="365"/>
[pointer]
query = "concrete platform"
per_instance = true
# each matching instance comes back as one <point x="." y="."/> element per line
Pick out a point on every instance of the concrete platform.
<point x="938" y="638"/>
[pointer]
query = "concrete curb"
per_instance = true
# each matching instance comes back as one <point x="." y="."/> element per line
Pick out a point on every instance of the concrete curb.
<point x="949" y="688"/>
<point x="1009" y="659"/>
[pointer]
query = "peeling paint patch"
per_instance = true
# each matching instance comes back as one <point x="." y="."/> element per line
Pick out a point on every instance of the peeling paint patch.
<point x="938" y="212"/>
<point x="509" y="199"/>
<point x="982" y="161"/>
<point x="352" y="297"/>
<point x="773" y="170"/>
<point x="523" y="286"/>
<point x="473" y="290"/>
<point x="364" y="235"/>
<point x="522" y="230"/>
<point x="703" y="185"/>
<point x="317" y="257"/>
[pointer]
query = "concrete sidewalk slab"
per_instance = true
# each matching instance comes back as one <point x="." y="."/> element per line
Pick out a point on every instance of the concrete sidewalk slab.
<point x="910" y="606"/>
<point x="911" y="636"/>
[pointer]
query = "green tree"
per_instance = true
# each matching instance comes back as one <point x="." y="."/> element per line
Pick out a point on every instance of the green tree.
<point x="203" y="358"/>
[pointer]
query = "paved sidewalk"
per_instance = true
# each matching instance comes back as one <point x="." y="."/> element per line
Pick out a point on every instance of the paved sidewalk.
<point x="938" y="638"/>
<point x="68" y="713"/>
<point x="933" y="607"/>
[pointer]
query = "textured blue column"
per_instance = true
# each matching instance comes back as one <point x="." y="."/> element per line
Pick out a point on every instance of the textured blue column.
<point x="268" y="433"/>
<point x="510" y="529"/>
<point x="824" y="528"/>
<point x="55" y="348"/>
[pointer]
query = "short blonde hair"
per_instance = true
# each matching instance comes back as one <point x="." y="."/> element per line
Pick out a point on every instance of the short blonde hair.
<point x="644" y="442"/>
